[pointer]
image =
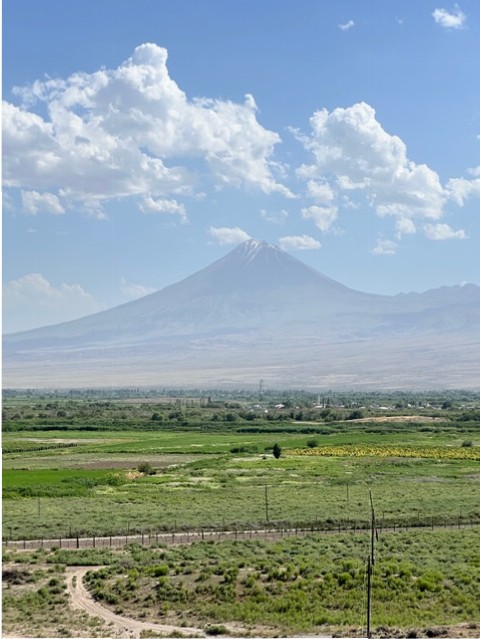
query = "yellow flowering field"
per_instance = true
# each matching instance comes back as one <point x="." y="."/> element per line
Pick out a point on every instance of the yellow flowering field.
<point x="367" y="450"/>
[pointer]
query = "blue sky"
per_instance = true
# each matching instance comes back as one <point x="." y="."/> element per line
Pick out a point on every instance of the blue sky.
<point x="144" y="139"/>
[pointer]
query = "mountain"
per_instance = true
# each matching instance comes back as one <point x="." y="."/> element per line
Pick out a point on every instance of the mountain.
<point x="259" y="313"/>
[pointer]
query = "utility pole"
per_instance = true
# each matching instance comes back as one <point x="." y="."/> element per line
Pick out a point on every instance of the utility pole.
<point x="369" y="601"/>
<point x="266" y="504"/>
<point x="348" y="503"/>
<point x="370" y="564"/>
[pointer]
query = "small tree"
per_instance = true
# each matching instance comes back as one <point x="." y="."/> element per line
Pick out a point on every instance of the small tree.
<point x="277" y="451"/>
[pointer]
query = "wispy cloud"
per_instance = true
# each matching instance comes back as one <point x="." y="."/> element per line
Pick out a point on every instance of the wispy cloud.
<point x="322" y="216"/>
<point x="298" y="243"/>
<point x="228" y="235"/>
<point x="133" y="291"/>
<point x="443" y="232"/>
<point x="32" y="301"/>
<point x="276" y="217"/>
<point x="450" y="20"/>
<point x="461" y="189"/>
<point x="385" y="247"/>
<point x="150" y="204"/>
<point x="404" y="226"/>
<point x="34" y="202"/>
<point x="347" y="25"/>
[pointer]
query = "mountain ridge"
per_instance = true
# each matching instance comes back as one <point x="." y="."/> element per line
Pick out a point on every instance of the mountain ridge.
<point x="255" y="295"/>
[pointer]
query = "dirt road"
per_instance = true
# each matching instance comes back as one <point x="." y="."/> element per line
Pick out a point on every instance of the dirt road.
<point x="122" y="627"/>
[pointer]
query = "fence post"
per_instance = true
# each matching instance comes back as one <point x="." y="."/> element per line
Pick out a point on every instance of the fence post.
<point x="93" y="538"/>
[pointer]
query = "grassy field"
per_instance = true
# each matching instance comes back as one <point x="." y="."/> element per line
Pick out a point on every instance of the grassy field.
<point x="416" y="477"/>
<point x="422" y="581"/>
<point x="98" y="467"/>
<point x="298" y="585"/>
<point x="35" y="603"/>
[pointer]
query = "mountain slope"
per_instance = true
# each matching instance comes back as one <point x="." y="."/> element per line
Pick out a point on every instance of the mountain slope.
<point x="256" y="309"/>
<point x="254" y="283"/>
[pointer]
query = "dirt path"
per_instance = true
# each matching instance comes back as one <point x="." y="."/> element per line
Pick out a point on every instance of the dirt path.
<point x="122" y="627"/>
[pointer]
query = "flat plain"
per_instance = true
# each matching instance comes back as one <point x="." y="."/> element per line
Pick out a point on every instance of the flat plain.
<point x="101" y="465"/>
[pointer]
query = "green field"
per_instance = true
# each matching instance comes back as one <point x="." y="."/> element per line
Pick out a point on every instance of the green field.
<point x="88" y="467"/>
<point x="297" y="585"/>
<point x="217" y="479"/>
<point x="425" y="583"/>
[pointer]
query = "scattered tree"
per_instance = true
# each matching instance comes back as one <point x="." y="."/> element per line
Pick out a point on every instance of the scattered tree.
<point x="277" y="451"/>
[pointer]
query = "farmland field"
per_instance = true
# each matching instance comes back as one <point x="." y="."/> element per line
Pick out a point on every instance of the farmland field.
<point x="97" y="468"/>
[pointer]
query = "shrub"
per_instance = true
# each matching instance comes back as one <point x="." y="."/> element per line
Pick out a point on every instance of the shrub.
<point x="159" y="571"/>
<point x="146" y="468"/>
<point x="216" y="630"/>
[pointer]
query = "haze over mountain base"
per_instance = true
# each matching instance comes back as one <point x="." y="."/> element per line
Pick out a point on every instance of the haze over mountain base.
<point x="258" y="314"/>
<point x="409" y="364"/>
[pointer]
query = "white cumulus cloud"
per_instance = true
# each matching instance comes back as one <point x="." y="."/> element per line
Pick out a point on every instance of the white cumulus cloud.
<point x="228" y="235"/>
<point x="443" y="232"/>
<point x="450" y="20"/>
<point x="404" y="226"/>
<point x="461" y="189"/>
<point x="298" y="243"/>
<point x="358" y="165"/>
<point x="34" y="202"/>
<point x="131" y="131"/>
<point x="31" y="301"/>
<point x="163" y="205"/>
<point x="322" y="216"/>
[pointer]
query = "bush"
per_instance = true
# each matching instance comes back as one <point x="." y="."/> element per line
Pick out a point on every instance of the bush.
<point x="146" y="468"/>
<point x="216" y="630"/>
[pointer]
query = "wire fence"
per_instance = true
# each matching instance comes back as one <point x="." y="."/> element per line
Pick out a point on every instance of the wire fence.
<point x="73" y="540"/>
